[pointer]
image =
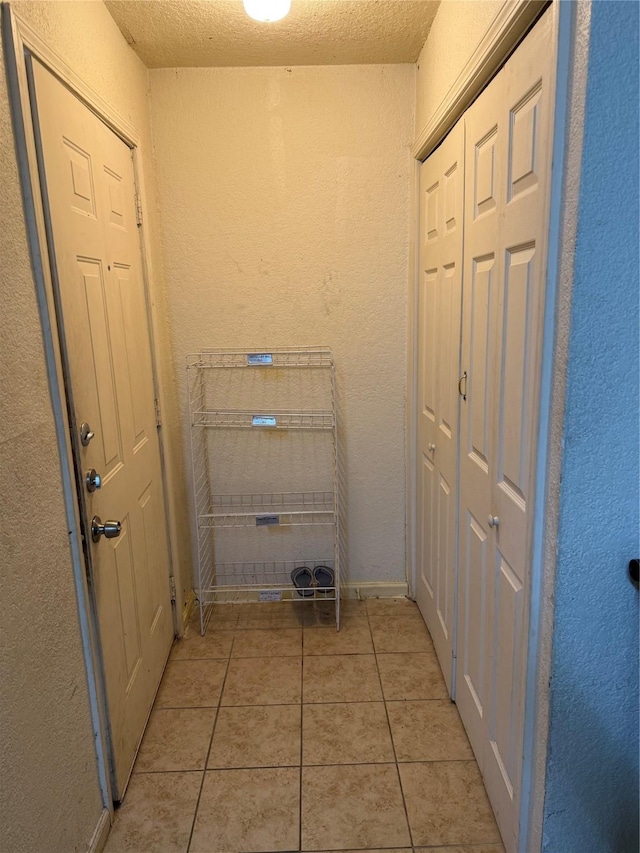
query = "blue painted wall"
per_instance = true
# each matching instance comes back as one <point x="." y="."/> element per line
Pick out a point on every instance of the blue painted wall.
<point x="591" y="803"/>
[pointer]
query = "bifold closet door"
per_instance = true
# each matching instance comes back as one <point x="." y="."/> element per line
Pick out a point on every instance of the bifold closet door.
<point x="508" y="164"/>
<point x="439" y="306"/>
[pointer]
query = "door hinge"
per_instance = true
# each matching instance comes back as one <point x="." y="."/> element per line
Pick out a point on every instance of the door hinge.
<point x="172" y="587"/>
<point x="138" y="210"/>
<point x="156" y="406"/>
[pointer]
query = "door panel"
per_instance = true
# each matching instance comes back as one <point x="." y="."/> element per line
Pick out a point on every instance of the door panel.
<point x="425" y="497"/>
<point x="505" y="724"/>
<point x="428" y="349"/>
<point x="432" y="219"/>
<point x="444" y="558"/>
<point x="523" y="168"/>
<point x="514" y="427"/>
<point x="442" y="186"/>
<point x="485" y="170"/>
<point x="480" y="353"/>
<point x="509" y="133"/>
<point x="88" y="189"/>
<point x="452" y="190"/>
<point x="475" y="626"/>
<point x="448" y="313"/>
<point x="484" y="173"/>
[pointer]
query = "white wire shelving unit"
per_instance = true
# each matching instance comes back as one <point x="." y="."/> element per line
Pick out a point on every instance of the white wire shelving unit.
<point x="232" y="391"/>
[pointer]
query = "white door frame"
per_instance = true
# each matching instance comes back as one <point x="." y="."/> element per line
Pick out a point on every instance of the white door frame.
<point x="510" y="25"/>
<point x="19" y="39"/>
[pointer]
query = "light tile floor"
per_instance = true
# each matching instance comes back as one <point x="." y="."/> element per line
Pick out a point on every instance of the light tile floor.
<point x="274" y="733"/>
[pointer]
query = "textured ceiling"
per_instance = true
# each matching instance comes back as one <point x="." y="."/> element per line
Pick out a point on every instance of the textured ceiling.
<point x="207" y="33"/>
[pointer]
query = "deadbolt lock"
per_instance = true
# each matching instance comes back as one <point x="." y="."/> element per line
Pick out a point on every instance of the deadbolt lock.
<point x="93" y="480"/>
<point x="85" y="434"/>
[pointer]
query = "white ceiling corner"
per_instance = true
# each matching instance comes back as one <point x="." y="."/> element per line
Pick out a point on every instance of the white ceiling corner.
<point x="209" y="33"/>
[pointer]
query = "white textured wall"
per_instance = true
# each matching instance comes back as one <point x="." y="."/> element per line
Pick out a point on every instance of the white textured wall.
<point x="457" y="29"/>
<point x="284" y="208"/>
<point x="48" y="780"/>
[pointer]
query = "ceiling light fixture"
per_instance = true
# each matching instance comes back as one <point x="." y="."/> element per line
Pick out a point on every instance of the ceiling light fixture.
<point x="267" y="11"/>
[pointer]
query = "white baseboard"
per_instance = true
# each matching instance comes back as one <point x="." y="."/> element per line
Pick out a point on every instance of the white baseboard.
<point x="97" y="843"/>
<point x="374" y="589"/>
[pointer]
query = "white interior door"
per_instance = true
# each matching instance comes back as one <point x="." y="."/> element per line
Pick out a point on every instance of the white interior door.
<point x="508" y="159"/>
<point x="439" y="305"/>
<point x="88" y="188"/>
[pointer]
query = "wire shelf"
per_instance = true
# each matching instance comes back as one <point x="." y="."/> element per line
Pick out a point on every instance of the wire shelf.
<point x="266" y="420"/>
<point x="227" y="400"/>
<point x="247" y="594"/>
<point x="296" y="508"/>
<point x="282" y="357"/>
<point x="269" y="581"/>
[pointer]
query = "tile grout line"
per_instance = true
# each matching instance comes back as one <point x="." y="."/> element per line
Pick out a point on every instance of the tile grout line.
<point x="289" y="766"/>
<point x="309" y="655"/>
<point x="468" y="848"/>
<point x="206" y="761"/>
<point x="284" y="704"/>
<point x="393" y="746"/>
<point x="281" y="704"/>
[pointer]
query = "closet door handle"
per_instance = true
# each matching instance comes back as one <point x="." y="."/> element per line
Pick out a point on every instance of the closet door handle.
<point x="462" y="379"/>
<point x="493" y="521"/>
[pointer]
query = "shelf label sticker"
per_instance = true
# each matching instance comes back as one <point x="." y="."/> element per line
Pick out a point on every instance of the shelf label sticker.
<point x="264" y="520"/>
<point x="269" y="595"/>
<point x="264" y="421"/>
<point x="259" y="358"/>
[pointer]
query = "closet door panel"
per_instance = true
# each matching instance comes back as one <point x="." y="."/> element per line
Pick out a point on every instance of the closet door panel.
<point x="441" y="189"/>
<point x="508" y="156"/>
<point x="427" y="405"/>
<point x="528" y="115"/>
<point x="477" y="439"/>
<point x="427" y="574"/>
<point x="475" y="624"/>
<point x="482" y="282"/>
<point x="427" y="354"/>
<point x="506" y="704"/>
<point x="445" y="542"/>
<point x="484" y="170"/>
<point x="448" y="312"/>
<point x="514" y="417"/>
